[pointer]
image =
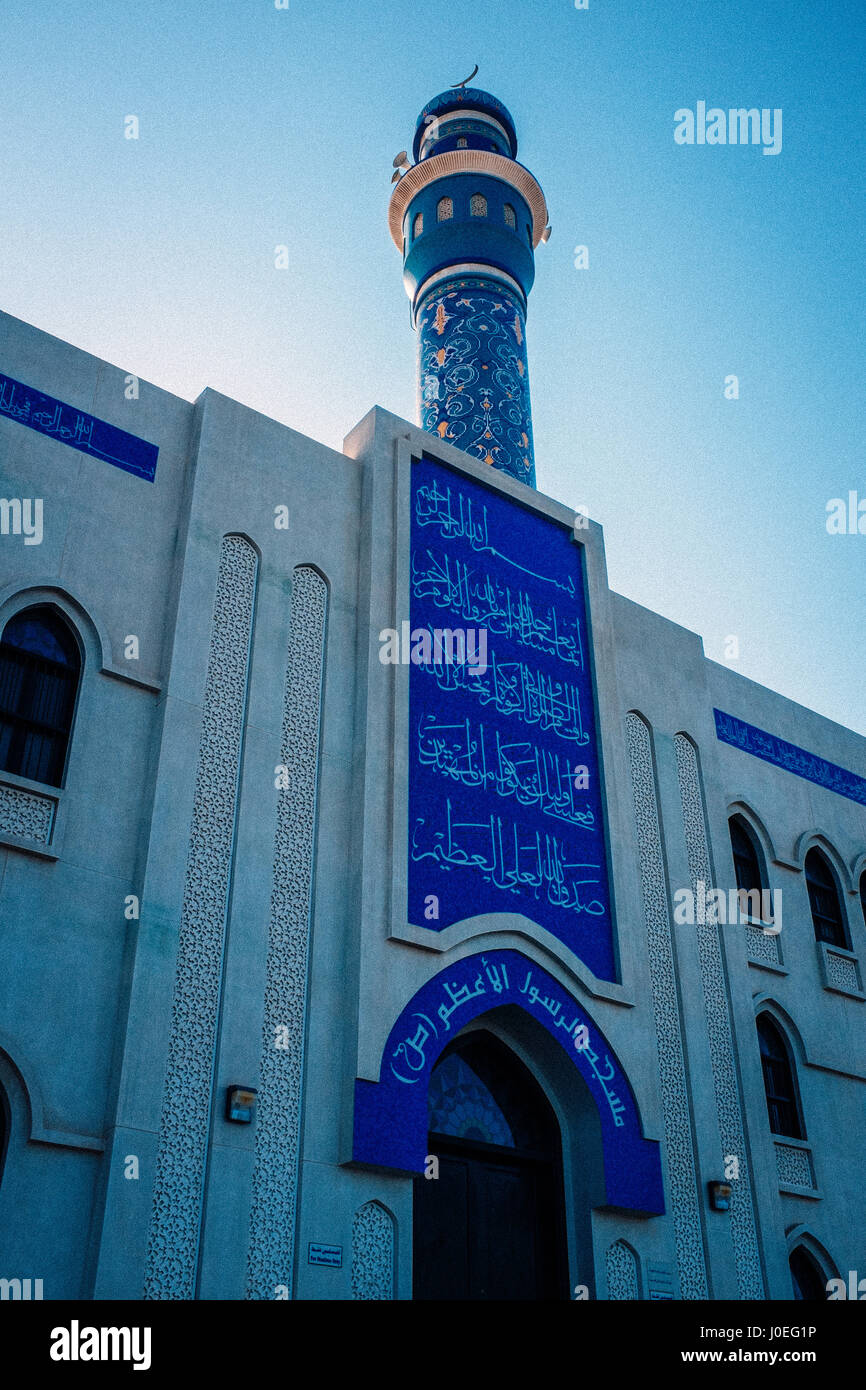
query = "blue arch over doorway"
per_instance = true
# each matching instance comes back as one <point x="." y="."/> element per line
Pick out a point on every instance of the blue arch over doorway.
<point x="390" y="1117"/>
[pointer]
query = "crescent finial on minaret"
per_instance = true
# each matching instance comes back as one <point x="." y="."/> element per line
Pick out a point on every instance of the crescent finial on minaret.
<point x="466" y="79"/>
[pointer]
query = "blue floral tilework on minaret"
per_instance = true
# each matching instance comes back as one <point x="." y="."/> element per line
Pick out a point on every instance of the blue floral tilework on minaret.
<point x="473" y="381"/>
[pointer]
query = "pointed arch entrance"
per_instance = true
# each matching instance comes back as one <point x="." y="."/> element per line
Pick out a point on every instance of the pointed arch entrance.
<point x="390" y="1113"/>
<point x="490" y="1225"/>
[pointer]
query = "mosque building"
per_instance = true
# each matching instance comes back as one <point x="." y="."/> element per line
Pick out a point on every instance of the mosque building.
<point x="388" y="908"/>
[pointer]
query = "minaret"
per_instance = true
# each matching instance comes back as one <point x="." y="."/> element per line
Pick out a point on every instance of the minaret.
<point x="467" y="218"/>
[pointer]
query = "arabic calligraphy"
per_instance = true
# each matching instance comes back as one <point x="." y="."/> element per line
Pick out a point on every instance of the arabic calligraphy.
<point x="433" y="507"/>
<point x="490" y="602"/>
<point x="412" y="1058"/>
<point x="511" y="858"/>
<point x="473" y="756"/>
<point x="495" y="808"/>
<point x="515" y="688"/>
<point x="77" y="429"/>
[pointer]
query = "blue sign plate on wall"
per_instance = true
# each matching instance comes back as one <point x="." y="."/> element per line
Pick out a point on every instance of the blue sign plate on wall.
<point x="318" y="1254"/>
<point x="77" y="429"/>
<point x="505" y="801"/>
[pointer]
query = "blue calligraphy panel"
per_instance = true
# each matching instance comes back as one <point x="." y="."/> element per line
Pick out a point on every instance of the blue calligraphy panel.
<point x="391" y="1114"/>
<point x="505" y="803"/>
<point x="77" y="429"/>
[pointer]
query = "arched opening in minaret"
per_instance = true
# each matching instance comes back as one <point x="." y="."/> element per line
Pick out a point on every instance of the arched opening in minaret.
<point x="490" y="1224"/>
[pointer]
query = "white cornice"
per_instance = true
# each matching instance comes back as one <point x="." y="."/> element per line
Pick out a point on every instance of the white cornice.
<point x="439" y="166"/>
<point x="467" y="268"/>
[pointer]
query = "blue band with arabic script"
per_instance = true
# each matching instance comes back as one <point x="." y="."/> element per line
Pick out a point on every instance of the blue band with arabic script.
<point x="76" y="428"/>
<point x="786" y="755"/>
<point x="391" y="1118"/>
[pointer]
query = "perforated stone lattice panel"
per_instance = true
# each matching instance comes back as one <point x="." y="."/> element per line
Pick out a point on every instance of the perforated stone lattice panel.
<point x="842" y="972"/>
<point x="762" y="947"/>
<point x="26" y="815"/>
<point x="682" y="1178"/>
<point x="172" y="1248"/>
<point x="275" y="1175"/>
<point x="622" y="1272"/>
<point x="794" y="1166"/>
<point x="372" y="1253"/>
<point x="725" y="1089"/>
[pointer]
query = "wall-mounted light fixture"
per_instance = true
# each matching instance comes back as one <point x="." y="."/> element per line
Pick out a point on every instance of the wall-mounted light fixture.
<point x="720" y="1196"/>
<point x="241" y="1104"/>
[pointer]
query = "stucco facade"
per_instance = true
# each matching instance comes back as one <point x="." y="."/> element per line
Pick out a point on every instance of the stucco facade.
<point x="244" y="777"/>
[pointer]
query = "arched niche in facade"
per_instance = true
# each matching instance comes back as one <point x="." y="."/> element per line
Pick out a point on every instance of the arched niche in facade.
<point x="390" y="1115"/>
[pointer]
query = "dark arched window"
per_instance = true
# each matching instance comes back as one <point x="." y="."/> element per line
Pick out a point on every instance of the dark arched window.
<point x="782" y="1105"/>
<point x="39" y="669"/>
<point x="478" y="205"/>
<point x="418" y="225"/>
<point x="444" y="209"/>
<point x="824" y="900"/>
<point x="808" y="1281"/>
<point x="462" y="1105"/>
<point x="510" y="216"/>
<point x="748" y="864"/>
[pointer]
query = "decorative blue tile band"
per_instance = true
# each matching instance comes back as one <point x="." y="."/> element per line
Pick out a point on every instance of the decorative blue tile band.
<point x="77" y="429"/>
<point x="787" y="755"/>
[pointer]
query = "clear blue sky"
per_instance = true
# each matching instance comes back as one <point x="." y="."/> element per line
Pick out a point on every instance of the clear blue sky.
<point x="261" y="127"/>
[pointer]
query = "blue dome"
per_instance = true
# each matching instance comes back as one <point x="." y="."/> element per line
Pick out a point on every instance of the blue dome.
<point x="462" y="98"/>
